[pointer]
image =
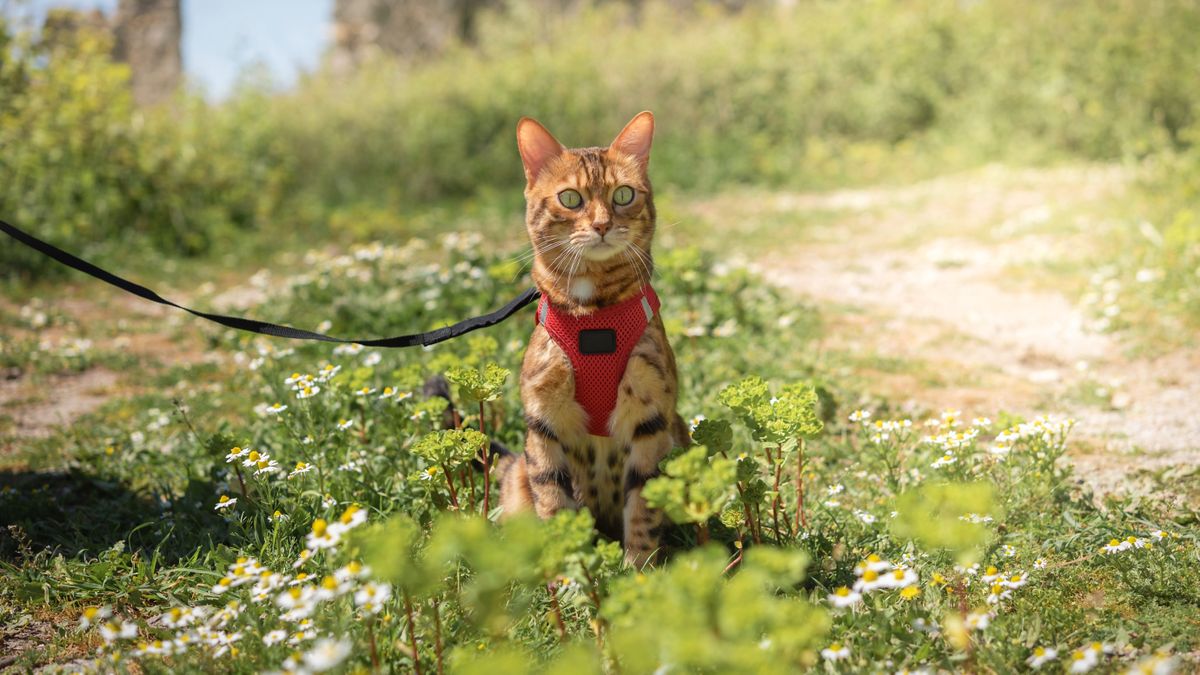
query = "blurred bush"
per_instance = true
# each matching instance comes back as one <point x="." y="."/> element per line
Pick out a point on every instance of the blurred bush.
<point x="816" y="94"/>
<point x="82" y="166"/>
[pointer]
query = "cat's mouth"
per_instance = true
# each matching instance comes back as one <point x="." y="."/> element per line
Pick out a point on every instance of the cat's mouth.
<point x="603" y="250"/>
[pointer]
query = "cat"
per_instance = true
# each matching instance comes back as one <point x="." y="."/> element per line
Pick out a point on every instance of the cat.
<point x="591" y="220"/>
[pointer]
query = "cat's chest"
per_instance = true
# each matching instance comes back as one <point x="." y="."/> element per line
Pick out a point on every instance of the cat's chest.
<point x="583" y="289"/>
<point x="598" y="347"/>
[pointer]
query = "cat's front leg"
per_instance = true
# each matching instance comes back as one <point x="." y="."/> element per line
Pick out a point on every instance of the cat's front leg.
<point x="550" y="482"/>
<point x="645" y="409"/>
<point x="555" y="427"/>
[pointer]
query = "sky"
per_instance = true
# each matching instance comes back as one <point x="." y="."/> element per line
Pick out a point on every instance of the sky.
<point x="222" y="37"/>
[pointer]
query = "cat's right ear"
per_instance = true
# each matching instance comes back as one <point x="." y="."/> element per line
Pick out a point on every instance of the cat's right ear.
<point x="537" y="147"/>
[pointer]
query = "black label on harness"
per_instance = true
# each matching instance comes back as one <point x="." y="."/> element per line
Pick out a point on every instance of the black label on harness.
<point x="600" y="341"/>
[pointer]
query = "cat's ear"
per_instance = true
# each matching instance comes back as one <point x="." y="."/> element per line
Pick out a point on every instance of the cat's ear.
<point x="634" y="140"/>
<point x="537" y="147"/>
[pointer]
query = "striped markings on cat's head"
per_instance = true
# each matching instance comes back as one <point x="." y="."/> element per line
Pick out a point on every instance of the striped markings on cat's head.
<point x="589" y="205"/>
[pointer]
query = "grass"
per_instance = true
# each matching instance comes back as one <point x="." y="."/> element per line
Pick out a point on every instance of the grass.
<point x="120" y="509"/>
<point x="117" y="510"/>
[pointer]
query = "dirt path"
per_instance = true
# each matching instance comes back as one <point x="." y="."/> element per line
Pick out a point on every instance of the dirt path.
<point x="34" y="405"/>
<point x="934" y="275"/>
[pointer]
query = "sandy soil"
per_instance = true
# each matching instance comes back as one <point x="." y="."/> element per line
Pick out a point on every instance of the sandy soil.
<point x="925" y="272"/>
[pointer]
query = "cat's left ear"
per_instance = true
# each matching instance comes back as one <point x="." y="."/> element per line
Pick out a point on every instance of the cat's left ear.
<point x="634" y="140"/>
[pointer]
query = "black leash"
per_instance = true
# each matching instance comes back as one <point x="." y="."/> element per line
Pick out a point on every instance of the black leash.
<point x="253" y="326"/>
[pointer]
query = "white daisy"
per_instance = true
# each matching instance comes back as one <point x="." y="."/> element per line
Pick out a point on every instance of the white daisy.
<point x="326" y="654"/>
<point x="835" y="652"/>
<point x="1041" y="656"/>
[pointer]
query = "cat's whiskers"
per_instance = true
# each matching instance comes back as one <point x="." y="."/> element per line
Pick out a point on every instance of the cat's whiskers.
<point x="578" y="250"/>
<point x="549" y="244"/>
<point x="644" y="260"/>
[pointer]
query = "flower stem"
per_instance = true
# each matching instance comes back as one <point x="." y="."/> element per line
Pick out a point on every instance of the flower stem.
<point x="487" y="482"/>
<point x="437" y="635"/>
<point x="554" y="607"/>
<point x="374" y="651"/>
<point x="450" y="484"/>
<point x="801" y="516"/>
<point x="412" y="633"/>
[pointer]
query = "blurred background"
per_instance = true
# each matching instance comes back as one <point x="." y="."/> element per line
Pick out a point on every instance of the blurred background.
<point x="186" y="126"/>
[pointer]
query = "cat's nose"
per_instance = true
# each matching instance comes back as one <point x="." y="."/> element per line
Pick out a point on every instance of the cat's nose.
<point x="601" y="221"/>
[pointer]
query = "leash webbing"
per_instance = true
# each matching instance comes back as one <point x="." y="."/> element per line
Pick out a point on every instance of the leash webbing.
<point x="263" y="327"/>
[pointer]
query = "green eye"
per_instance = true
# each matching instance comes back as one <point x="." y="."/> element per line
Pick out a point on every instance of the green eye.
<point x="623" y="196"/>
<point x="570" y="199"/>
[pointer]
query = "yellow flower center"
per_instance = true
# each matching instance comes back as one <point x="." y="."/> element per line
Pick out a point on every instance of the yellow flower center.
<point x="910" y="592"/>
<point x="329" y="583"/>
<point x="1114" y="542"/>
<point x="90" y="613"/>
<point x="254" y="456"/>
<point x="835" y="647"/>
<point x="992" y="570"/>
<point x="842" y="592"/>
<point x="354" y="567"/>
<point x="898" y="574"/>
<point x="874" y="558"/>
<point x="224" y="498"/>
<point x="319" y="527"/>
<point x="349" y="514"/>
<point x="870" y="575"/>
<point x="295" y="593"/>
<point x="225" y="581"/>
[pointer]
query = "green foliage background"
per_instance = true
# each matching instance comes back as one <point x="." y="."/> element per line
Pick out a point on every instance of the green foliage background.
<point x="820" y="94"/>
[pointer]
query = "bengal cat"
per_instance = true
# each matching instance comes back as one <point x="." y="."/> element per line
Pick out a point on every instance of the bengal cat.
<point x="590" y="217"/>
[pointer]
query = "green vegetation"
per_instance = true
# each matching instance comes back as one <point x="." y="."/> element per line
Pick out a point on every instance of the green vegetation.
<point x="822" y="94"/>
<point x="309" y="507"/>
<point x="297" y="506"/>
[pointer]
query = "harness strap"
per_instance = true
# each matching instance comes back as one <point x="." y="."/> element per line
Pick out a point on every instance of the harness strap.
<point x="265" y="328"/>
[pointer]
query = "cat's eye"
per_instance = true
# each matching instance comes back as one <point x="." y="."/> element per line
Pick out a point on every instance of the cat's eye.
<point x="570" y="199"/>
<point x="623" y="195"/>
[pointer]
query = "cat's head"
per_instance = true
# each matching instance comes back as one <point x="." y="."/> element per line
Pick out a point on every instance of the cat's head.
<point x="588" y="208"/>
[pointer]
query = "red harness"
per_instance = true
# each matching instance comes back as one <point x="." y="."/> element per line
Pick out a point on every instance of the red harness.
<point x="599" y="345"/>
